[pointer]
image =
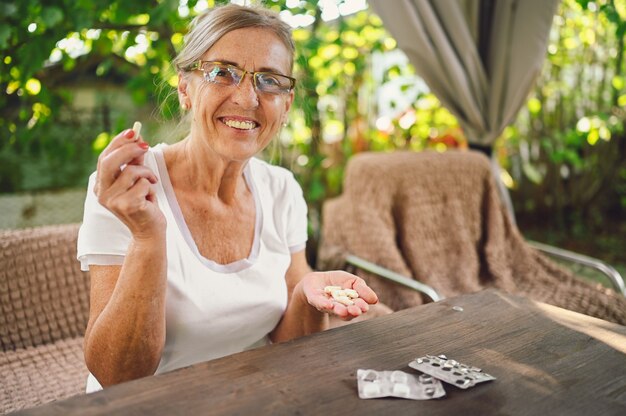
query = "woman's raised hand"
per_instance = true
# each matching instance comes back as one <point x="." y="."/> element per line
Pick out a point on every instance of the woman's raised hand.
<point x="314" y="284"/>
<point x="124" y="185"/>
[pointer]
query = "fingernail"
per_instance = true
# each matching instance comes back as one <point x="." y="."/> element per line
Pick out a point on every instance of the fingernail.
<point x="129" y="134"/>
<point x="143" y="145"/>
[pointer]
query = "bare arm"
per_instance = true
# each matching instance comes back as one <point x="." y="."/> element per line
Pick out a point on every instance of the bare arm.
<point x="300" y="318"/>
<point x="126" y="330"/>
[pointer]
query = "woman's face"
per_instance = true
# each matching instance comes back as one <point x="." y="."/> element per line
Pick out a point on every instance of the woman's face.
<point x="237" y="122"/>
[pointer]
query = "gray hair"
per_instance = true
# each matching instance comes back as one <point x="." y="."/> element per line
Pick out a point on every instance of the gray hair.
<point x="206" y="29"/>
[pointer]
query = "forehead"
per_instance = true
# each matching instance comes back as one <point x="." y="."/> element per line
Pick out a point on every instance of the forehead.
<point x="252" y="49"/>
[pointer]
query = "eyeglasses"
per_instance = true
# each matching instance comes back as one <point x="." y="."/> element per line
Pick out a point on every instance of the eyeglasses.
<point x="226" y="74"/>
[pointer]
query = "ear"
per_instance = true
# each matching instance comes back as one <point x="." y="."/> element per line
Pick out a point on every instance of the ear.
<point x="288" y="102"/>
<point x="183" y="96"/>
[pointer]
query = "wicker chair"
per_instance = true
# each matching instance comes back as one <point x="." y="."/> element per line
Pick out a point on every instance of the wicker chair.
<point x="434" y="224"/>
<point x="44" y="299"/>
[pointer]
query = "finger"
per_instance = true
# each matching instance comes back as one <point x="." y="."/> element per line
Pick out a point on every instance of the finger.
<point x="129" y="177"/>
<point x="110" y="166"/>
<point x="143" y="191"/>
<point x="364" y="291"/>
<point x="361" y="304"/>
<point x="354" y="310"/>
<point x="122" y="138"/>
<point x="340" y="310"/>
<point x="151" y="196"/>
<point x="134" y="201"/>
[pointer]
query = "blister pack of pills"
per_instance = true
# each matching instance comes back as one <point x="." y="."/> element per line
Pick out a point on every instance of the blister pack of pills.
<point x="450" y="371"/>
<point x="374" y="384"/>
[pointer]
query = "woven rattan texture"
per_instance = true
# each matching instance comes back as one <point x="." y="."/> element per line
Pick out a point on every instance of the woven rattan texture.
<point x="437" y="217"/>
<point x="37" y="375"/>
<point x="44" y="297"/>
<point x="44" y="305"/>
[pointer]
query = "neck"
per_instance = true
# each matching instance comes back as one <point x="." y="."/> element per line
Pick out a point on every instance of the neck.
<point x="194" y="166"/>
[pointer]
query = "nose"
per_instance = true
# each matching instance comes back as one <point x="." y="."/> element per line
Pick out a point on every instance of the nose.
<point x="245" y="93"/>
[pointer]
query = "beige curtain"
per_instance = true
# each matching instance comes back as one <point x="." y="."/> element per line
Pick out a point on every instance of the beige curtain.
<point x="479" y="57"/>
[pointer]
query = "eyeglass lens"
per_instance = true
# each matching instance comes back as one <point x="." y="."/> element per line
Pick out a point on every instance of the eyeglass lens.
<point x="224" y="74"/>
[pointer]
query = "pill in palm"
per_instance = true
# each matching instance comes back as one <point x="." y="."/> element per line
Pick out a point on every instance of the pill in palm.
<point x="328" y="289"/>
<point x="351" y="293"/>
<point x="343" y="296"/>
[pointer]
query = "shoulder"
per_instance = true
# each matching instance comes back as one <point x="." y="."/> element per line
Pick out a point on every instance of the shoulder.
<point x="275" y="177"/>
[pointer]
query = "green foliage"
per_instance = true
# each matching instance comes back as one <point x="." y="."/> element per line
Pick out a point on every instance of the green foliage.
<point x="355" y="93"/>
<point x="47" y="47"/>
<point x="566" y="151"/>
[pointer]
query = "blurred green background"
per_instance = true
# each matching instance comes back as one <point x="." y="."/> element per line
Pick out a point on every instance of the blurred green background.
<point x="75" y="72"/>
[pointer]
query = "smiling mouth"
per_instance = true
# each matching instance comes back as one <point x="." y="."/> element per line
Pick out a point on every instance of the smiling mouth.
<point x="240" y="124"/>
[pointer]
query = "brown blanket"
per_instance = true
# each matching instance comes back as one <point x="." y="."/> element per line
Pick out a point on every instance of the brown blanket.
<point x="437" y="217"/>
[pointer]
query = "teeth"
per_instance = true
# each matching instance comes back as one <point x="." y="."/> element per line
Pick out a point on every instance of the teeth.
<point x="242" y="125"/>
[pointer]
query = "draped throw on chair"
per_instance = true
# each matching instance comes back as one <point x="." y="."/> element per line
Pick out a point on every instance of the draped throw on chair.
<point x="437" y="218"/>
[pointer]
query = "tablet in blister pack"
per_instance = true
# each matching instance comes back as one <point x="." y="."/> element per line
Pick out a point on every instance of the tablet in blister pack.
<point x="450" y="371"/>
<point x="374" y="384"/>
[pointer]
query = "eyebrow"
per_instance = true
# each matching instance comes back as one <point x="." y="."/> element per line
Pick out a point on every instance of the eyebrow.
<point x="264" y="69"/>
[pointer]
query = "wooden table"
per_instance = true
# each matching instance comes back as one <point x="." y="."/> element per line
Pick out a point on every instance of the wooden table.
<point x="547" y="361"/>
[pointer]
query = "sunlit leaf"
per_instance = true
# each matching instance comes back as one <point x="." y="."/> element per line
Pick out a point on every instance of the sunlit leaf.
<point x="350" y="53"/>
<point x="507" y="179"/>
<point x="101" y="141"/>
<point x="592" y="137"/>
<point x="604" y="133"/>
<point x="301" y="35"/>
<point x="328" y="52"/>
<point x="583" y="125"/>
<point x="349" y="69"/>
<point x="532" y="173"/>
<point x="33" y="86"/>
<point x="570" y="43"/>
<point x="534" y="105"/>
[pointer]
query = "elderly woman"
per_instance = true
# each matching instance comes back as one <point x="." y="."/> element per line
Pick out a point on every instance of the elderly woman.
<point x="196" y="249"/>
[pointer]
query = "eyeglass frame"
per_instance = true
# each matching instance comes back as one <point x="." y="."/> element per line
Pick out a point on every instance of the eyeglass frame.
<point x="197" y="66"/>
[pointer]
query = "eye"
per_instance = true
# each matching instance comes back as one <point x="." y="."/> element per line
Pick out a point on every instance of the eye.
<point x="273" y="82"/>
<point x="218" y="73"/>
<point x="269" y="80"/>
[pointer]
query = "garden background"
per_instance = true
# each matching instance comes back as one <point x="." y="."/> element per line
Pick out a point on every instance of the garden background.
<point x="75" y="72"/>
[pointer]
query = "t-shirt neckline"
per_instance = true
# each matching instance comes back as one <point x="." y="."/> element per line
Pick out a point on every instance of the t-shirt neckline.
<point x="177" y="213"/>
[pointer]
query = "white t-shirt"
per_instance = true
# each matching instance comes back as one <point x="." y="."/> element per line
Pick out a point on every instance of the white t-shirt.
<point x="212" y="309"/>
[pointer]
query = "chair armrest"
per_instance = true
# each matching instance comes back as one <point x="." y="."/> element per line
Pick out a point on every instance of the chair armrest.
<point x="393" y="276"/>
<point x="613" y="275"/>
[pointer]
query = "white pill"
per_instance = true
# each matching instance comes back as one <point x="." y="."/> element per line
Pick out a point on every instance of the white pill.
<point x="371" y="390"/>
<point x="137" y="129"/>
<point x="336" y="293"/>
<point x="399" y="377"/>
<point x="329" y="289"/>
<point x="344" y="300"/>
<point x="351" y="293"/>
<point x="401" y="390"/>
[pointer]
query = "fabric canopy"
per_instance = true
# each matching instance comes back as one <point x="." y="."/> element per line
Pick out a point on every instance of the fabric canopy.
<point x="479" y="57"/>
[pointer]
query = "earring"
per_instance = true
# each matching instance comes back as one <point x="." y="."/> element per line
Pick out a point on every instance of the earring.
<point x="185" y="106"/>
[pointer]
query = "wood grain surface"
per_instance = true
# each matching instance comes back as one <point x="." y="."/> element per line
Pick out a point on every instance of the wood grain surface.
<point x="547" y="361"/>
